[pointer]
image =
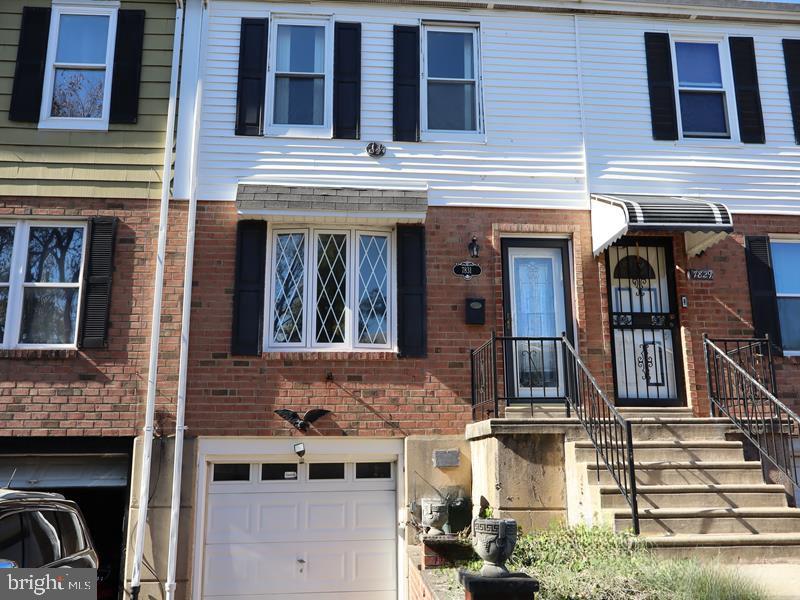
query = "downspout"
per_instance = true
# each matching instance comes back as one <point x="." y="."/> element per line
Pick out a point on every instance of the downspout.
<point x="186" y="312"/>
<point x="155" y="330"/>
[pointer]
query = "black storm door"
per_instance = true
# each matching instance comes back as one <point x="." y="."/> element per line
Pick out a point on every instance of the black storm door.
<point x="644" y="323"/>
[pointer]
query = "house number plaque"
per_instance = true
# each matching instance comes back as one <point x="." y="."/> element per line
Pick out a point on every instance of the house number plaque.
<point x="701" y="274"/>
<point x="467" y="270"/>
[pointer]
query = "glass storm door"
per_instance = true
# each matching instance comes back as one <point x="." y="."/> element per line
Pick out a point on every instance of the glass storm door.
<point x="537" y="306"/>
<point x="644" y="324"/>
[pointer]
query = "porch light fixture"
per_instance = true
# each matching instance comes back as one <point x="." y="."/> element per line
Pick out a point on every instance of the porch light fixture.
<point x="474" y="247"/>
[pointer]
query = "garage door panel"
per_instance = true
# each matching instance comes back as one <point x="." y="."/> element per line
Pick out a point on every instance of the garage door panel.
<point x="269" y="569"/>
<point x="300" y="516"/>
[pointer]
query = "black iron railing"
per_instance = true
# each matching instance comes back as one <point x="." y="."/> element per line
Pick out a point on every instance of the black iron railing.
<point x="611" y="433"/>
<point x="738" y="391"/>
<point x="754" y="355"/>
<point x="509" y="370"/>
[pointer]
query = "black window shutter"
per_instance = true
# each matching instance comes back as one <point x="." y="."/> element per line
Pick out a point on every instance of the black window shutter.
<point x="791" y="56"/>
<point x="98" y="272"/>
<point x="252" y="77"/>
<point x="748" y="97"/>
<point x="412" y="330"/>
<point x="248" y="294"/>
<point x="26" y="96"/>
<point x="347" y="81"/>
<point x="663" y="113"/>
<point x="406" y="83"/>
<point x="127" y="67"/>
<point x="763" y="301"/>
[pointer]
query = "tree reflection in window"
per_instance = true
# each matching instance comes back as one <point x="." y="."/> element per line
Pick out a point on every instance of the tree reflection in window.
<point x="51" y="288"/>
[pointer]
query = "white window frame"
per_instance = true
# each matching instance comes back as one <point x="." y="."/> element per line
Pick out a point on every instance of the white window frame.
<point x="783" y="240"/>
<point x="427" y="134"/>
<point x="727" y="89"/>
<point x="301" y="131"/>
<point x="106" y="9"/>
<point x="17" y="284"/>
<point x="308" y="339"/>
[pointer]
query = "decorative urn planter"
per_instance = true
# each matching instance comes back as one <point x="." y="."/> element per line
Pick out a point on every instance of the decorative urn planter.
<point x="434" y="515"/>
<point x="494" y="541"/>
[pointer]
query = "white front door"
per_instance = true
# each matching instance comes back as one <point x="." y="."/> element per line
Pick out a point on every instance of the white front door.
<point x="322" y="530"/>
<point x="537" y="310"/>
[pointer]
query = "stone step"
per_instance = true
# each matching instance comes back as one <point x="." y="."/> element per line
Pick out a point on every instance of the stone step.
<point x="689" y="429"/>
<point x="671" y="451"/>
<point x="680" y="521"/>
<point x="688" y="473"/>
<point x="697" y="496"/>
<point x="668" y="412"/>
<point x="730" y="548"/>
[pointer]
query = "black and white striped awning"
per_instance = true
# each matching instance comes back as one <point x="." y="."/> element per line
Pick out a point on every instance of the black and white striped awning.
<point x="702" y="221"/>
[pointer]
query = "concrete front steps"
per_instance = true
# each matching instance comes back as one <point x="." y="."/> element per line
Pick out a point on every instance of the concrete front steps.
<point x="697" y="495"/>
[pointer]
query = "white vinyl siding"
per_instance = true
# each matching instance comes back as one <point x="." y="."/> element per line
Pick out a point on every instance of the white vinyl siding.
<point x="532" y="154"/>
<point x="622" y="156"/>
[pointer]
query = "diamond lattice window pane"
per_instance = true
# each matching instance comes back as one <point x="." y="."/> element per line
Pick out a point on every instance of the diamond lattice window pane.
<point x="331" y="287"/>
<point x="373" y="325"/>
<point x="289" y="287"/>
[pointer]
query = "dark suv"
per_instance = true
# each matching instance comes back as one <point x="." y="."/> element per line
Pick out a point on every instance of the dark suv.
<point x="43" y="530"/>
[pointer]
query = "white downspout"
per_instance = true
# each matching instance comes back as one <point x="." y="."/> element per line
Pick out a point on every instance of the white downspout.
<point x="155" y="330"/>
<point x="183" y="361"/>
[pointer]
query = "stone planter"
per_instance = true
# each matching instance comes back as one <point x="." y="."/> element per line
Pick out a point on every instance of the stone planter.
<point x="494" y="541"/>
<point x="434" y="515"/>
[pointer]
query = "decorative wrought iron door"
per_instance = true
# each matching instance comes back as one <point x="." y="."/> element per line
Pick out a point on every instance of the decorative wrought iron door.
<point x="644" y="324"/>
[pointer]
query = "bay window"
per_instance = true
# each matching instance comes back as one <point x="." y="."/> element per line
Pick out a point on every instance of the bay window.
<point x="330" y="288"/>
<point x="450" y="90"/>
<point x="80" y="56"/>
<point x="41" y="271"/>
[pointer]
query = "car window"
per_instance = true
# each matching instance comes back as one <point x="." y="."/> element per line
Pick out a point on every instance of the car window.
<point x="11" y="538"/>
<point x="42" y="545"/>
<point x="72" y="538"/>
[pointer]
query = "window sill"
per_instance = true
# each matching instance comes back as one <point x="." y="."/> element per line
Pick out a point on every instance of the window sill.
<point x="73" y="125"/>
<point x="791" y="353"/>
<point x="708" y="143"/>
<point x="38" y="354"/>
<point x="452" y="138"/>
<point x="336" y="355"/>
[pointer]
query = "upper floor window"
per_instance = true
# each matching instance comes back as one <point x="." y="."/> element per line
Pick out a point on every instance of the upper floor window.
<point x="80" y="55"/>
<point x="300" y="82"/>
<point x="704" y="85"/>
<point x="41" y="271"/>
<point x="785" y="258"/>
<point x="330" y="288"/>
<point x="450" y="91"/>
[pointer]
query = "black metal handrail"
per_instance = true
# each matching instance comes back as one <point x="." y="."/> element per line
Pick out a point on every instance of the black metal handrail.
<point x="516" y="369"/>
<point x="611" y="433"/>
<point x="771" y="426"/>
<point x="754" y="355"/>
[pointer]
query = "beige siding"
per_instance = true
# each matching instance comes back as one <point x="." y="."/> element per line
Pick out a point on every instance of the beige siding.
<point x="124" y="162"/>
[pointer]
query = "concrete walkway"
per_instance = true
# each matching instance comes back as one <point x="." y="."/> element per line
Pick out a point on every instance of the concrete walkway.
<point x="781" y="580"/>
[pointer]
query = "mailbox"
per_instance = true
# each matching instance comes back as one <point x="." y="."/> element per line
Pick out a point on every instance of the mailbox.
<point x="475" y="311"/>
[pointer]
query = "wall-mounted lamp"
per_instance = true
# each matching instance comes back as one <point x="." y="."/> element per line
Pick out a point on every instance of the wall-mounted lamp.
<point x="474" y="247"/>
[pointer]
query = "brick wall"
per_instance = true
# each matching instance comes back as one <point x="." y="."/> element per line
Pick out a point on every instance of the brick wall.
<point x="418" y="588"/>
<point x="98" y="392"/>
<point x="95" y="392"/>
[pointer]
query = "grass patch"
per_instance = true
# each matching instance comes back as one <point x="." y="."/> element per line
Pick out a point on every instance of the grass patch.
<point x="593" y="563"/>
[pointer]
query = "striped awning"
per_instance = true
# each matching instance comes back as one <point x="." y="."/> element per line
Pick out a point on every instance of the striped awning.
<point x="702" y="221"/>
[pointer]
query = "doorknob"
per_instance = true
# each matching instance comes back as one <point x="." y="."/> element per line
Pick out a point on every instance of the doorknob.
<point x="301" y="564"/>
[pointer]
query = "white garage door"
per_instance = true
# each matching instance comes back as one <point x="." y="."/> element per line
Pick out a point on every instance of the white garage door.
<point x="317" y="530"/>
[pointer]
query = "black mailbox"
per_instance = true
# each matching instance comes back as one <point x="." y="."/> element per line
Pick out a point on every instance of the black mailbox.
<point x="475" y="311"/>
